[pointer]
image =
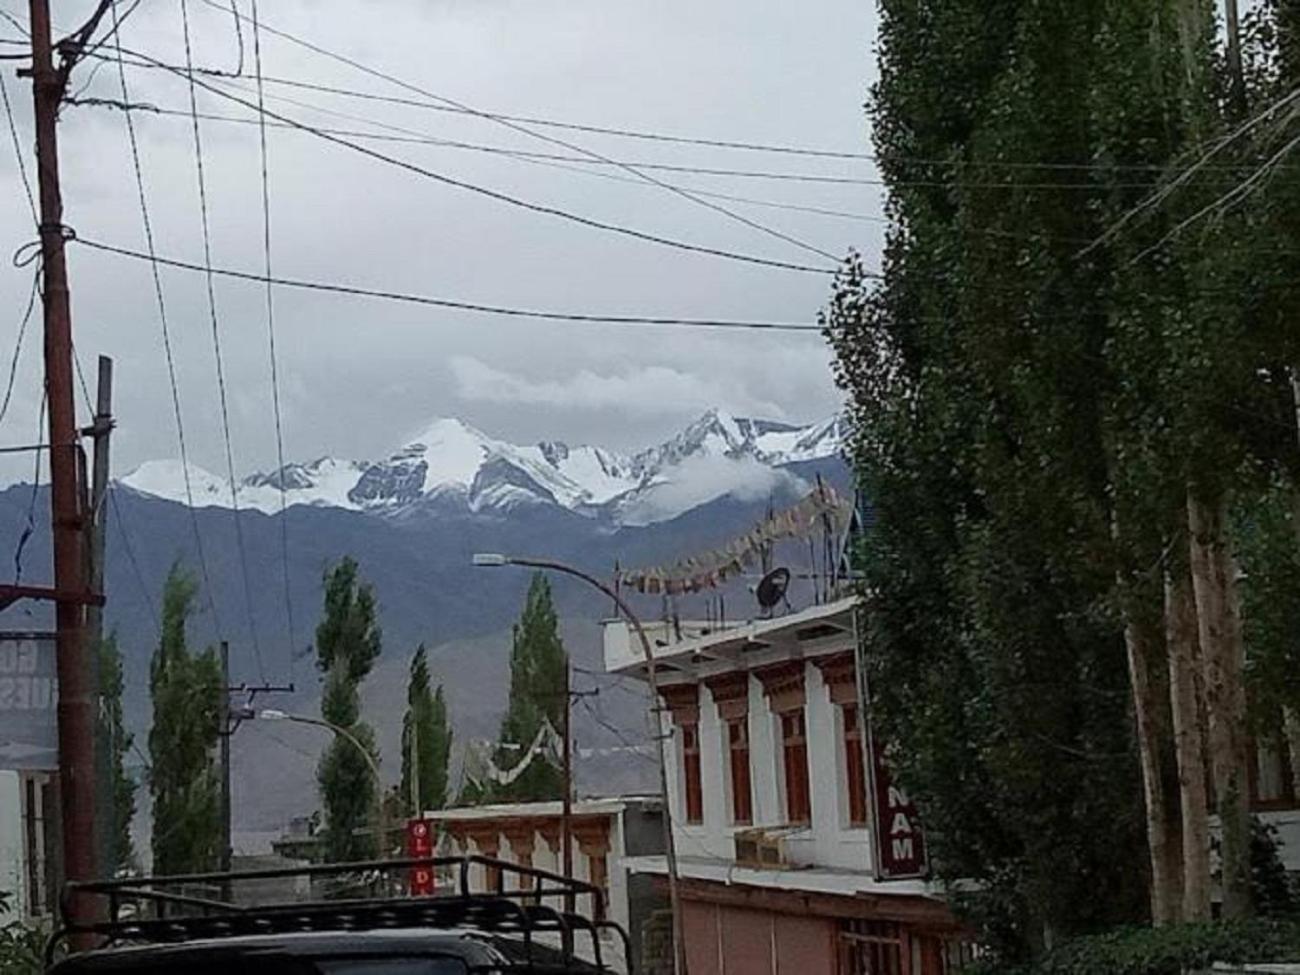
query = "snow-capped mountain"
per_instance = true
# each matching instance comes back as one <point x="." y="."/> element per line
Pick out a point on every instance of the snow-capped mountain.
<point x="451" y="464"/>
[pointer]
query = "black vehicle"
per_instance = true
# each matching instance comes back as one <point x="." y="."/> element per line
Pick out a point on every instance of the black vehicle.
<point x="359" y="920"/>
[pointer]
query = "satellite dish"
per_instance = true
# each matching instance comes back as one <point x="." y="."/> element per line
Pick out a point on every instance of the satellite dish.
<point x="772" y="587"/>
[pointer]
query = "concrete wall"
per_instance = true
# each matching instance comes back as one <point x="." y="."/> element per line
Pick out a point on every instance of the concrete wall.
<point x="828" y="840"/>
<point x="12" y="860"/>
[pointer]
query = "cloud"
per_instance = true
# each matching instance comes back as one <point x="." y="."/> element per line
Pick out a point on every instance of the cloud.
<point x="646" y="390"/>
<point x="703" y="478"/>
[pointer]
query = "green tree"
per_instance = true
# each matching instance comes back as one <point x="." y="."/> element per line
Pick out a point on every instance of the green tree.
<point x="348" y="640"/>
<point x="426" y="741"/>
<point x="186" y="689"/>
<point x="537" y="688"/>
<point x="116" y="741"/>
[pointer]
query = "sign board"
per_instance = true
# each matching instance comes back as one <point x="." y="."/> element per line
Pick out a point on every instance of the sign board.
<point x="29" y="731"/>
<point x="900" y="842"/>
<point x="419" y="844"/>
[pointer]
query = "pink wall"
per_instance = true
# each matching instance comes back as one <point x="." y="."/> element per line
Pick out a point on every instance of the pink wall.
<point x="735" y="941"/>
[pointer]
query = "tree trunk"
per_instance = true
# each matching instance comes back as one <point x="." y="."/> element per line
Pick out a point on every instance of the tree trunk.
<point x="1150" y="710"/>
<point x="1219" y="627"/>
<point x="1189" y="741"/>
<point x="1236" y="76"/>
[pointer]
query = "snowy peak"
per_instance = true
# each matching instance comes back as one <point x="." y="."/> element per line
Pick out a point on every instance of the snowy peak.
<point x="451" y="466"/>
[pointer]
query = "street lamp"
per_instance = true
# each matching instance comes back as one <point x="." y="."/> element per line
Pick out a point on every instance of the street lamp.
<point x="381" y="815"/>
<point x="495" y="560"/>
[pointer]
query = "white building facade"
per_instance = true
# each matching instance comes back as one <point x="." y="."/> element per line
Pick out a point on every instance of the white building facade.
<point x="771" y="805"/>
<point x="606" y="833"/>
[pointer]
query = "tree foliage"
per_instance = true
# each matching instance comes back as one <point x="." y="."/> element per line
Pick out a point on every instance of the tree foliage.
<point x="186" y="689"/>
<point x="426" y="741"/>
<point x="1059" y="355"/>
<point x="538" y="687"/>
<point x="348" y="641"/>
<point x="117" y="741"/>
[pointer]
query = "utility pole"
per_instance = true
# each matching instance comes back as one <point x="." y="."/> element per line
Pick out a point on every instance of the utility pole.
<point x="566" y="803"/>
<point x="76" y="708"/>
<point x="225" y="730"/>
<point x="96" y="525"/>
<point x="223" y="723"/>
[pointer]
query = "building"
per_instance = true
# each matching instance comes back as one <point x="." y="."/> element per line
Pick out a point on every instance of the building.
<point x="606" y="833"/>
<point x="24" y="840"/>
<point x="768" y="779"/>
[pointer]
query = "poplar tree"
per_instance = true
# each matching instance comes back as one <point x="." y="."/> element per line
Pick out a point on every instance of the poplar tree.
<point x="186" y="689"/>
<point x="537" y="695"/>
<point x="116" y="742"/>
<point x="426" y="741"/>
<point x="348" y="641"/>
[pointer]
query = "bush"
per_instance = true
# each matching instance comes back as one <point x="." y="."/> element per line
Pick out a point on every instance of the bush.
<point x="1163" y="951"/>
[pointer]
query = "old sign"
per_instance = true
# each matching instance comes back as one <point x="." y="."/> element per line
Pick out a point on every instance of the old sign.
<point x="900" y="843"/>
<point x="29" y="737"/>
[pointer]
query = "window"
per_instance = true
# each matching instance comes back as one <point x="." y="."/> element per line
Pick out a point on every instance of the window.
<point x="870" y="948"/>
<point x="742" y="800"/>
<point x="855" y="777"/>
<point x="694" y="795"/>
<point x="794" y="753"/>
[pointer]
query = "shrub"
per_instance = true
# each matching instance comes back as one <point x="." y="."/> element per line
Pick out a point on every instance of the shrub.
<point x="1163" y="951"/>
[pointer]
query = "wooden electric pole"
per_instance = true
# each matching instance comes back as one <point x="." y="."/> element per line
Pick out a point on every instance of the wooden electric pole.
<point x="96" y="524"/>
<point x="76" y="708"/>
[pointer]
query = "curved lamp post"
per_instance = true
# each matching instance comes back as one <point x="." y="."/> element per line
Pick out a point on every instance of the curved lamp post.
<point x="381" y="816"/>
<point x="493" y="560"/>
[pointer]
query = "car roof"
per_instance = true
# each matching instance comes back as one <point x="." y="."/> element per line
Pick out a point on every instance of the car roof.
<point x="469" y="945"/>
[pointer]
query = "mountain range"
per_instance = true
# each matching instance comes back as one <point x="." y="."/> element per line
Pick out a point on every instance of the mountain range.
<point x="413" y="520"/>
<point x="450" y="467"/>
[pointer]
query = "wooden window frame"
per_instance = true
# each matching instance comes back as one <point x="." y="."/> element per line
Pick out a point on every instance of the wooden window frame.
<point x="794" y="758"/>
<point x="855" y="768"/>
<point x="739" y="773"/>
<point x="692" y="773"/>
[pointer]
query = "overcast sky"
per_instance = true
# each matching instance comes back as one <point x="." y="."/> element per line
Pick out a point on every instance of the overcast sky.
<point x="358" y="375"/>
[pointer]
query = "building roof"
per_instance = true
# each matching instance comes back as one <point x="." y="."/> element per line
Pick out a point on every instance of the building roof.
<point x="820" y="880"/>
<point x="543" y="810"/>
<point x="826" y="628"/>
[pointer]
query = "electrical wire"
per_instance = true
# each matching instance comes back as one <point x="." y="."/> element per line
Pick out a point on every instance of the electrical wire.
<point x="29" y="526"/>
<point x="210" y="282"/>
<point x="18" y="152"/>
<point x="551" y="160"/>
<point x="501" y="197"/>
<point x="270" y="332"/>
<point x="595" y="156"/>
<point x="166" y="331"/>
<point x="449" y="303"/>
<point x="749" y="146"/>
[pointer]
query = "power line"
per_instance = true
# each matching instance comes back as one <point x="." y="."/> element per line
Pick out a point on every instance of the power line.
<point x="551" y="160"/>
<point x="450" y="303"/>
<point x="495" y="194"/>
<point x="670" y="187"/>
<point x="166" y="330"/>
<point x="209" y="280"/>
<point x="270" y="331"/>
<point x="18" y="345"/>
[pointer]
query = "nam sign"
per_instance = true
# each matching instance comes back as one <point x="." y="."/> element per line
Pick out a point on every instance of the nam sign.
<point x="29" y="736"/>
<point x="900" y="843"/>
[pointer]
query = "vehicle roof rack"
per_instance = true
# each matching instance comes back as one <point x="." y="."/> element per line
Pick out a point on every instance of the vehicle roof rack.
<point x="370" y="895"/>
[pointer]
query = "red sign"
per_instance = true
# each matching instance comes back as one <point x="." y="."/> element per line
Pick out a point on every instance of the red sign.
<point x="419" y="845"/>
<point x="900" y="843"/>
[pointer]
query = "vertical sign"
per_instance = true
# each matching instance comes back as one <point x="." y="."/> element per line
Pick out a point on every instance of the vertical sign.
<point x="29" y="732"/>
<point x="899" y="846"/>
<point x="900" y="843"/>
<point x="419" y="846"/>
